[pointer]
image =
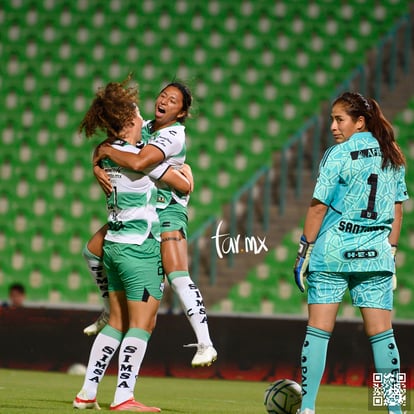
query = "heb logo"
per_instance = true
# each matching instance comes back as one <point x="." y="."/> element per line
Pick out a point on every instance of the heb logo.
<point x="360" y="254"/>
<point x="226" y="244"/>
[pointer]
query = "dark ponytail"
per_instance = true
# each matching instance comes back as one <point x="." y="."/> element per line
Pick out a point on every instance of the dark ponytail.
<point x="382" y="130"/>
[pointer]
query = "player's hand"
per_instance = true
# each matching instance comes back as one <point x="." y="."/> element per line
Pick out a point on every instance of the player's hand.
<point x="101" y="152"/>
<point x="186" y="171"/>
<point x="103" y="179"/>
<point x="394" y="276"/>
<point x="300" y="270"/>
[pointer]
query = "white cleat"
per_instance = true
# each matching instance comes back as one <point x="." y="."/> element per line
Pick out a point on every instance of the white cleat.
<point x="305" y="411"/>
<point x="98" y="325"/>
<point x="82" y="403"/>
<point x="205" y="355"/>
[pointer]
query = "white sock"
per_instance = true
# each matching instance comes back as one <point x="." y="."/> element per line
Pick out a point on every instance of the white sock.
<point x="131" y="355"/>
<point x="192" y="304"/>
<point x="102" y="351"/>
<point x="98" y="274"/>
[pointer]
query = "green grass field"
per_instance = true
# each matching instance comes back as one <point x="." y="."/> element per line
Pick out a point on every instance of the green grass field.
<point x="24" y="392"/>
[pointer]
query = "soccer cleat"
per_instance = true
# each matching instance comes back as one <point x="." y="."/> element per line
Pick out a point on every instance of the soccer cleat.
<point x="305" y="411"/>
<point x="85" y="404"/>
<point x="134" y="406"/>
<point x="98" y="325"/>
<point x="205" y="355"/>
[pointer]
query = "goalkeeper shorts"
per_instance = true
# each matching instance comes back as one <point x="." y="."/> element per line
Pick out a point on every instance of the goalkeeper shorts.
<point x="367" y="289"/>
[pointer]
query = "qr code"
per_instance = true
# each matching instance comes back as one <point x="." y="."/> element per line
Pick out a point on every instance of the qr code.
<point x="389" y="389"/>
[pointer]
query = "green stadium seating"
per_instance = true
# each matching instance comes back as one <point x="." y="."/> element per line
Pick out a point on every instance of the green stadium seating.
<point x="254" y="74"/>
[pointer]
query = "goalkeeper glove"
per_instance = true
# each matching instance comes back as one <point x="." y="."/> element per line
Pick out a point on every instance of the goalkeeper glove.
<point x="300" y="269"/>
<point x="394" y="276"/>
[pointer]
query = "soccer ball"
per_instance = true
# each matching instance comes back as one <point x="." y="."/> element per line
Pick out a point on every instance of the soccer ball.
<point x="77" y="369"/>
<point x="283" y="397"/>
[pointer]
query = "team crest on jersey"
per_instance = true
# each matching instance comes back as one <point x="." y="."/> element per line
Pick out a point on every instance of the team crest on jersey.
<point x="160" y="199"/>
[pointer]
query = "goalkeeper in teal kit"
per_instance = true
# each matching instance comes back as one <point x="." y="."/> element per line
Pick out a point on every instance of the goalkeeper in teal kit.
<point x="350" y="238"/>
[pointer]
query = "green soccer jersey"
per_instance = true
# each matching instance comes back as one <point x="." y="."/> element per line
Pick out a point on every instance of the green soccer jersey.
<point x="360" y="196"/>
<point x="171" y="141"/>
<point x="131" y="206"/>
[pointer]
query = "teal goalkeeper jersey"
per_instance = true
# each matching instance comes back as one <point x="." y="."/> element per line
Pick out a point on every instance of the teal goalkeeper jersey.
<point x="360" y="197"/>
<point x="171" y="141"/>
<point x="132" y="214"/>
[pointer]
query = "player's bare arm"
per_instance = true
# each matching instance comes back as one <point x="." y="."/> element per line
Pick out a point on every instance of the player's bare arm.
<point x="314" y="218"/>
<point x="103" y="179"/>
<point x="181" y="180"/>
<point x="187" y="172"/>
<point x="149" y="156"/>
<point x="396" y="225"/>
<point x="176" y="179"/>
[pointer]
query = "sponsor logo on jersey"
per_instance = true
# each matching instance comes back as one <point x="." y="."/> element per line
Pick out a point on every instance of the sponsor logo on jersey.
<point x="366" y="153"/>
<point x="348" y="227"/>
<point x="360" y="254"/>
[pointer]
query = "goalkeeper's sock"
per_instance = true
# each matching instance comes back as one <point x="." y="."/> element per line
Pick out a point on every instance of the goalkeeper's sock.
<point x="131" y="355"/>
<point x="192" y="304"/>
<point x="313" y="361"/>
<point x="102" y="351"/>
<point x="387" y="361"/>
<point x="98" y="274"/>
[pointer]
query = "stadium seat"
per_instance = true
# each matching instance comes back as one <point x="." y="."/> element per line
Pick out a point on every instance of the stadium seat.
<point x="244" y="299"/>
<point x="38" y="283"/>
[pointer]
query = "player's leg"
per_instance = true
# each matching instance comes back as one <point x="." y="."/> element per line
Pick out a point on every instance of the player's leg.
<point x="174" y="257"/>
<point x="109" y="339"/>
<point x="102" y="351"/>
<point x="174" y="253"/>
<point x="132" y="352"/>
<point x="325" y="292"/>
<point x="143" y="285"/>
<point x="92" y="253"/>
<point x="314" y="350"/>
<point x="376" y="313"/>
